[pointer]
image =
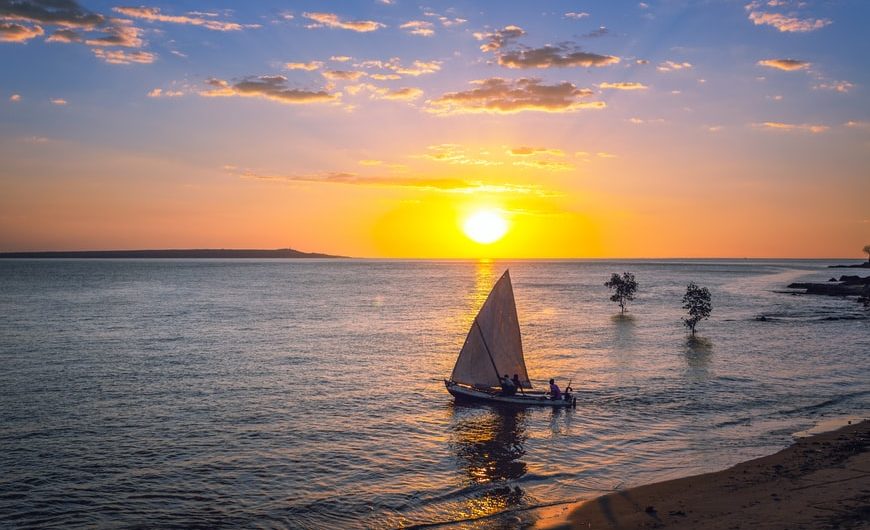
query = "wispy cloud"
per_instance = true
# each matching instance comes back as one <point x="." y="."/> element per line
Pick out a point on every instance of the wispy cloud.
<point x="837" y="86"/>
<point x="792" y="127"/>
<point x="342" y="75"/>
<point x="502" y="96"/>
<point x="15" y="98"/>
<point x="623" y="86"/>
<point x="273" y="88"/>
<point x="124" y="57"/>
<point x="417" y="68"/>
<point x="443" y="185"/>
<point x="576" y="15"/>
<point x="788" y="65"/>
<point x="331" y="20"/>
<point x="784" y="23"/>
<point x="309" y="66"/>
<point x="419" y="27"/>
<point x="12" y="32"/>
<point x="153" y="14"/>
<point x="160" y="93"/>
<point x="670" y="66"/>
<point x="58" y="101"/>
<point x="529" y="151"/>
<point x="446" y="21"/>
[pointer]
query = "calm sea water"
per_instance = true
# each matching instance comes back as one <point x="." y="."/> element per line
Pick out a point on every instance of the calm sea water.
<point x="308" y="394"/>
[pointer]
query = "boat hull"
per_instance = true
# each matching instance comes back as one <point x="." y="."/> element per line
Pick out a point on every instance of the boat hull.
<point x="530" y="399"/>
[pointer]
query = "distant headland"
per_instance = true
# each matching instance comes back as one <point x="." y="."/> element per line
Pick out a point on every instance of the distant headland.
<point x="205" y="253"/>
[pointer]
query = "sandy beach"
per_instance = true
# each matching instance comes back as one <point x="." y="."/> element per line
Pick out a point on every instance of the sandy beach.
<point x="821" y="481"/>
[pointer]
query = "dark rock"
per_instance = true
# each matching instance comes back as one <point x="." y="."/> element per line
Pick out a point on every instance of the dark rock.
<point x="832" y="280"/>
<point x="650" y="509"/>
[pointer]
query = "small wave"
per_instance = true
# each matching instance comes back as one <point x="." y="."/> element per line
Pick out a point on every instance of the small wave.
<point x="822" y="404"/>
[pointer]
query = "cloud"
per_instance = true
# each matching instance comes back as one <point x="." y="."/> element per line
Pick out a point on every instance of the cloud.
<point x="670" y="66"/>
<point x="788" y="65"/>
<point x="838" y="86"/>
<point x="342" y="75"/>
<point x="497" y="40"/>
<point x="58" y="101"/>
<point x="120" y="33"/>
<point x="502" y="96"/>
<point x="444" y="185"/>
<point x="404" y="94"/>
<point x="65" y="36"/>
<point x="160" y="93"/>
<point x="792" y="127"/>
<point x="15" y="98"/>
<point x="419" y="27"/>
<point x="553" y="56"/>
<point x="548" y="165"/>
<point x="623" y="86"/>
<point x="527" y="151"/>
<point x="600" y="32"/>
<point x="576" y="16"/>
<point x="12" y="32"/>
<point x="385" y="77"/>
<point x="547" y="56"/>
<point x="854" y="124"/>
<point x="273" y="88"/>
<point x="417" y="68"/>
<point x="65" y="13"/>
<point x="122" y="57"/>
<point x="786" y="23"/>
<point x="458" y="155"/>
<point x="331" y="20"/>
<point x="153" y="14"/>
<point x="340" y="58"/>
<point x="399" y="94"/>
<point x="309" y="66"/>
<point x="445" y="21"/>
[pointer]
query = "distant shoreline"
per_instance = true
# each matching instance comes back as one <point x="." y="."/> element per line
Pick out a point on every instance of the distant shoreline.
<point x="166" y="254"/>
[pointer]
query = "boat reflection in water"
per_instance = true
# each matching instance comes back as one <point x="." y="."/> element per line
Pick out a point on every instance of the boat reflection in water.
<point x="489" y="449"/>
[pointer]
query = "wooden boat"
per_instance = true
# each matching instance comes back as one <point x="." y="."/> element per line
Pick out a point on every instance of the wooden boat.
<point x="493" y="348"/>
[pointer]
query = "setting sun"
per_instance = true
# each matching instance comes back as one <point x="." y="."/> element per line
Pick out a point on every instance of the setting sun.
<point x="485" y="227"/>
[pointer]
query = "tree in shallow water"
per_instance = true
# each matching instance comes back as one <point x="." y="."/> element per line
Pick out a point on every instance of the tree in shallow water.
<point x="624" y="286"/>
<point x="697" y="302"/>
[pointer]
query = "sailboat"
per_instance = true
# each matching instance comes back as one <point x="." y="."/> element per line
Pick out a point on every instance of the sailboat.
<point x="493" y="348"/>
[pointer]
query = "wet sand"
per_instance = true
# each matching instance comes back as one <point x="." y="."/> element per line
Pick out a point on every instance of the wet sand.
<point x="822" y="481"/>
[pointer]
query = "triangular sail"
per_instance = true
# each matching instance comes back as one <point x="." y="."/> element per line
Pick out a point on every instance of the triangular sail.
<point x="493" y="346"/>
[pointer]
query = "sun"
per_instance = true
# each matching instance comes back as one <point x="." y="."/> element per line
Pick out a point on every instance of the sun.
<point x="485" y="227"/>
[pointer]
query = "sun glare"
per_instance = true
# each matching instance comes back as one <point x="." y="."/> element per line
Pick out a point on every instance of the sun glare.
<point x="485" y="227"/>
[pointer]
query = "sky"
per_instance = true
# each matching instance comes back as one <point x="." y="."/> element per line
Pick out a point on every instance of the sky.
<point x="376" y="128"/>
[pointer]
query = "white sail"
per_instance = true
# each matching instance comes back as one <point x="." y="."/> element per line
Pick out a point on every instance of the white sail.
<point x="493" y="346"/>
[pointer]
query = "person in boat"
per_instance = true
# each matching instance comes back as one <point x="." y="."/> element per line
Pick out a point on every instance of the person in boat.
<point x="555" y="393"/>
<point x="508" y="388"/>
<point x="516" y="380"/>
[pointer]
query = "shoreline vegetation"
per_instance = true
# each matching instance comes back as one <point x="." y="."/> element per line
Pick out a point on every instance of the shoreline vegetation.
<point x="821" y="481"/>
<point x="217" y="253"/>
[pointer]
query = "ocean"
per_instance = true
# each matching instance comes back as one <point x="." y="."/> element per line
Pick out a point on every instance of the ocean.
<point x="309" y="393"/>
